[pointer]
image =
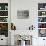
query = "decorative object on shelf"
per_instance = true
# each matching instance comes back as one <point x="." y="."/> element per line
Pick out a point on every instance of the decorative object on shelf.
<point x="6" y="7"/>
<point x="43" y="13"/>
<point x="23" y="14"/>
<point x="41" y="19"/>
<point x="0" y="7"/>
<point x="41" y="25"/>
<point x="4" y="26"/>
<point x="31" y="27"/>
<point x="4" y="29"/>
<point x="45" y="7"/>
<point x="3" y="6"/>
<point x="41" y="6"/>
<point x="42" y="32"/>
<point x="3" y="19"/>
<point x="13" y="27"/>
<point x="3" y="13"/>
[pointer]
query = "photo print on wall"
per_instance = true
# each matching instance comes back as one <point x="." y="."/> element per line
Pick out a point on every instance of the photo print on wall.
<point x="23" y="14"/>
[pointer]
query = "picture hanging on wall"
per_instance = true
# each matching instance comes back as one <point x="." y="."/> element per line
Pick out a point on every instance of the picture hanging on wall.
<point x="23" y="14"/>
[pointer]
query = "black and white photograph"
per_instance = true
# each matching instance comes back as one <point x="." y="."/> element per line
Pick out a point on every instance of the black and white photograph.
<point x="23" y="14"/>
<point x="41" y="19"/>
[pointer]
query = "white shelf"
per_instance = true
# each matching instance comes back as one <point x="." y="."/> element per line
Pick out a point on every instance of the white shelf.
<point x="41" y="22"/>
<point x="42" y="16"/>
<point x="41" y="10"/>
<point x="41" y="28"/>
<point x="3" y="10"/>
<point x="3" y="22"/>
<point x="3" y="16"/>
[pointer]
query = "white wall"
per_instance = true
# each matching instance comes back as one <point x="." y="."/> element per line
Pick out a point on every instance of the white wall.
<point x="32" y="6"/>
<point x="3" y="1"/>
<point x="23" y="24"/>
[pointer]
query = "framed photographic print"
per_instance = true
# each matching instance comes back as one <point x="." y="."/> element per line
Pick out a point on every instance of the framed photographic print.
<point x="23" y="14"/>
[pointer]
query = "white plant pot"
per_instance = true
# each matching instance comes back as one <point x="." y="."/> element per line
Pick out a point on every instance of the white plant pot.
<point x="22" y="43"/>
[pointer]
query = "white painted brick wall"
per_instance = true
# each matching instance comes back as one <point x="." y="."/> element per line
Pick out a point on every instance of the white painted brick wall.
<point x="32" y="6"/>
